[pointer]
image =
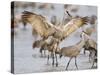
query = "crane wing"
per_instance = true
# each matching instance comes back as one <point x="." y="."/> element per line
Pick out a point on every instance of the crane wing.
<point x="39" y="23"/>
<point x="73" y="25"/>
<point x="65" y="30"/>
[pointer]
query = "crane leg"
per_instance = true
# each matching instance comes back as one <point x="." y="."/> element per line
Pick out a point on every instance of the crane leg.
<point x="56" y="60"/>
<point x="76" y="63"/>
<point x="68" y="63"/>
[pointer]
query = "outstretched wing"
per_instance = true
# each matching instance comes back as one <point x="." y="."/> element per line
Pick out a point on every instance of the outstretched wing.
<point x="71" y="26"/>
<point x="39" y="23"/>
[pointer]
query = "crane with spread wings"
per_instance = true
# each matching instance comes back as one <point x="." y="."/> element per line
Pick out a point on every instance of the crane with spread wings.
<point x="45" y="29"/>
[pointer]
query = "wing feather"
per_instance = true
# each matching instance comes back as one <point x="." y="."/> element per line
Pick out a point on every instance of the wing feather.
<point x="71" y="26"/>
<point x="39" y="23"/>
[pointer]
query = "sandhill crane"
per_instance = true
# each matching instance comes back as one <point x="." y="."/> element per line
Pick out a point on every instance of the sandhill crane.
<point x="72" y="51"/>
<point x="51" y="44"/>
<point x="94" y="54"/>
<point x="89" y="43"/>
<point x="45" y="29"/>
<point x="88" y="47"/>
<point x="40" y="44"/>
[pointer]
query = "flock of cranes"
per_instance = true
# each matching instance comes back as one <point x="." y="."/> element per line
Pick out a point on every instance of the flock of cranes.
<point x="53" y="35"/>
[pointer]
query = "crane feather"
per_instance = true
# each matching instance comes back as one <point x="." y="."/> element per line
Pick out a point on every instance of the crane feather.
<point x="44" y="28"/>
